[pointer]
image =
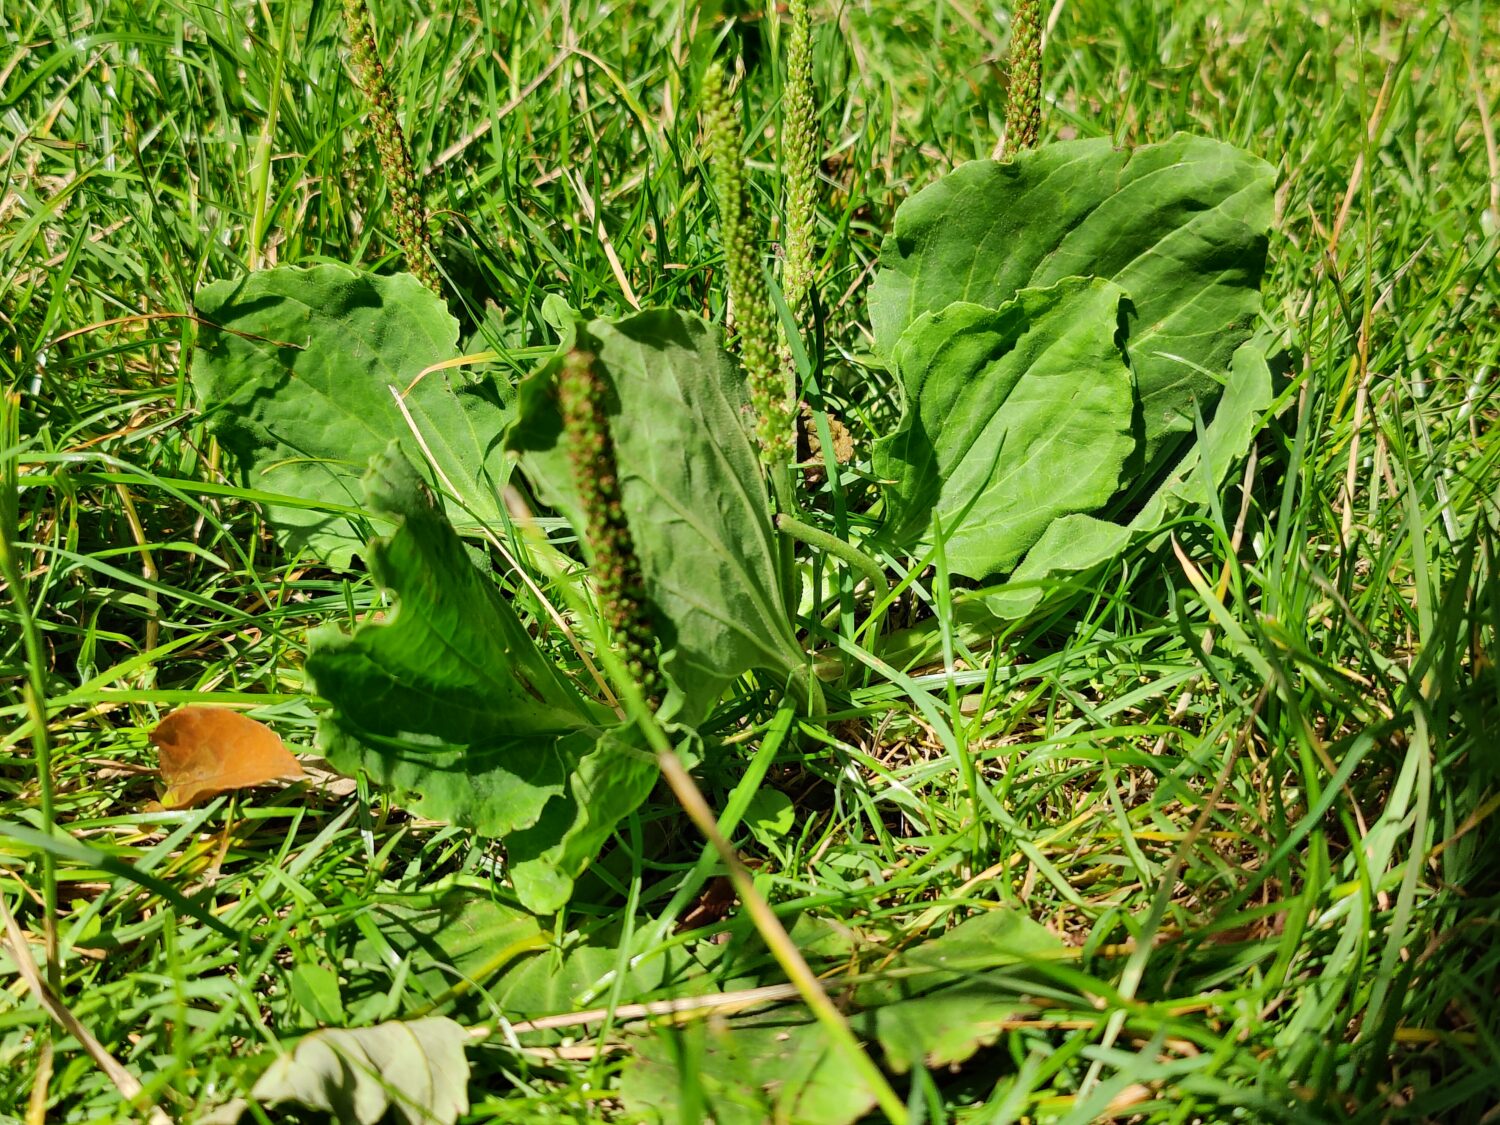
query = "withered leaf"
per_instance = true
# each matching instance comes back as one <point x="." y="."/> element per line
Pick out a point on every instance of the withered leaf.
<point x="206" y="751"/>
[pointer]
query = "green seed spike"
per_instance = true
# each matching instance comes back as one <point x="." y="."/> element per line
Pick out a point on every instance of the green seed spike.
<point x="617" y="568"/>
<point x="1023" y="114"/>
<point x="749" y="295"/>
<point x="390" y="143"/>
<point x="799" y="156"/>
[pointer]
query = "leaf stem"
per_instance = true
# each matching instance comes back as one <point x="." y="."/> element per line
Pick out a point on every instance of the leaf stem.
<point x="862" y="563"/>
<point x="809" y="689"/>
<point x="848" y="552"/>
<point x="786" y="504"/>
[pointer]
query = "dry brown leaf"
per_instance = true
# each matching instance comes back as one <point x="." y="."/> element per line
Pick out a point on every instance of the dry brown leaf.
<point x="206" y="751"/>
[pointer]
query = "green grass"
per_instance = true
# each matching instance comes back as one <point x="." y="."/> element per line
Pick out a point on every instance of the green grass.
<point x="1252" y="781"/>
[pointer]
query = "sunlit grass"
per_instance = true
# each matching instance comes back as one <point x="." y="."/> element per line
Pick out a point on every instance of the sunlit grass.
<point x="1247" y="773"/>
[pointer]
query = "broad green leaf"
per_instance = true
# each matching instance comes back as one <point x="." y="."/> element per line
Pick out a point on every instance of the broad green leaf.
<point x="447" y="947"/>
<point x="1014" y="417"/>
<point x="577" y="972"/>
<point x="416" y="1071"/>
<point x="771" y="818"/>
<point x="952" y="995"/>
<point x="1078" y="543"/>
<point x="316" y="989"/>
<point x="778" y="1066"/>
<point x="487" y="958"/>
<point x="1181" y="226"/>
<point x="449" y="702"/>
<point x="947" y="1026"/>
<point x="941" y="1001"/>
<point x="691" y="489"/>
<point x="990" y="940"/>
<point x="607" y="783"/>
<point x="297" y="367"/>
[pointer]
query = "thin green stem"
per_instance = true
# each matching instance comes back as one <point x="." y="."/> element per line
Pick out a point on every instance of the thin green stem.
<point x="35" y="687"/>
<point x="786" y="504"/>
<point x="260" y="169"/>
<point x="848" y="552"/>
<point x="794" y="530"/>
<point x="810" y="689"/>
<point x="779" y="942"/>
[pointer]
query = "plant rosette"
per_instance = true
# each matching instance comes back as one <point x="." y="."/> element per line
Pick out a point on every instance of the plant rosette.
<point x="1075" y="336"/>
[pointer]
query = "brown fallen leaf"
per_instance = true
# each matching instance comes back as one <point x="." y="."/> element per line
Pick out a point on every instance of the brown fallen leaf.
<point x="206" y="751"/>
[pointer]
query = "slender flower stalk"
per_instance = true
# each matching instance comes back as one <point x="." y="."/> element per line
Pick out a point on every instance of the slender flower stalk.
<point x="390" y="142"/>
<point x="749" y="295"/>
<point x="799" y="159"/>
<point x="617" y="567"/>
<point x="1023" y="114"/>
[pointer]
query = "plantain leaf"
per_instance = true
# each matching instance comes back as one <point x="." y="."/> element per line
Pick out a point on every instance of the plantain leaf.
<point x="1077" y="544"/>
<point x="776" y="1066"/>
<point x="449" y="702"/>
<point x="1181" y="226"/>
<point x="936" y="1004"/>
<point x="691" y="490"/>
<point x="296" y="368"/>
<point x="484" y="957"/>
<point x="416" y="1071"/>
<point x="1014" y="417"/>
<point x="962" y="988"/>
<point x="428" y="948"/>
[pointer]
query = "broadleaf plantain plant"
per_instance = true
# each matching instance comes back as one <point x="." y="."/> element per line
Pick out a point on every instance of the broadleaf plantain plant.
<point x="1075" y="333"/>
<point x="1063" y="323"/>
